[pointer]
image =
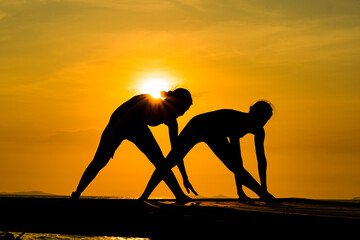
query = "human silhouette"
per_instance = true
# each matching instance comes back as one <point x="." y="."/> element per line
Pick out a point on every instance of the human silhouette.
<point x="130" y="121"/>
<point x="221" y="130"/>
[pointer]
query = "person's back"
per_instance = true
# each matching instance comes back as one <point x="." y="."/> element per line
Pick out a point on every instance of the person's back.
<point x="126" y="106"/>
<point x="224" y="122"/>
<point x="145" y="109"/>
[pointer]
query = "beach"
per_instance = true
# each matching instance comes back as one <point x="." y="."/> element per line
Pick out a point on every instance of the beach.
<point x="59" y="236"/>
<point x="166" y="219"/>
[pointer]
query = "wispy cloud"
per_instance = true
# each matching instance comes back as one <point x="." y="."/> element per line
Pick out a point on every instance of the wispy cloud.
<point x="78" y="138"/>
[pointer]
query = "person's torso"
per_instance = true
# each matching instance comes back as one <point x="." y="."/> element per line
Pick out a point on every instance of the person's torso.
<point x="224" y="122"/>
<point x="145" y="110"/>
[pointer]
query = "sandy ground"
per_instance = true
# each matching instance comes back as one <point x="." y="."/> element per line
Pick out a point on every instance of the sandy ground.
<point x="166" y="219"/>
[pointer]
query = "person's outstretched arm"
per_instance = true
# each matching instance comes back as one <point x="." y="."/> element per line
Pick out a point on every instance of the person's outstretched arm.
<point x="235" y="142"/>
<point x="186" y="181"/>
<point x="260" y="154"/>
<point x="173" y="134"/>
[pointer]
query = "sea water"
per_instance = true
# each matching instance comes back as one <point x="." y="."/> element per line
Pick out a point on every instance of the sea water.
<point x="52" y="236"/>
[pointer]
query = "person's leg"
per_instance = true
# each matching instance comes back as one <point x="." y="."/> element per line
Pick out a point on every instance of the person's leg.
<point x="239" y="186"/>
<point x="146" y="142"/>
<point x="90" y="173"/>
<point x="184" y="144"/>
<point x="155" y="179"/>
<point x="223" y="150"/>
<point x="105" y="151"/>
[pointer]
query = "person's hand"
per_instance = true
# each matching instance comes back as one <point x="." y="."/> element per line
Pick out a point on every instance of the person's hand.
<point x="189" y="187"/>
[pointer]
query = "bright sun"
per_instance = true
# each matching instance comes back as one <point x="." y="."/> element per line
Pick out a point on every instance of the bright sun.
<point x="154" y="86"/>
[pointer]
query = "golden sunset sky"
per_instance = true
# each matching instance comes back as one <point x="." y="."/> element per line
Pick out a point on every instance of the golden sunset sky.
<point x="65" y="66"/>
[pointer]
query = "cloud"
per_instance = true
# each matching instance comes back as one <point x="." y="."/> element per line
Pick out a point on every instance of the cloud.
<point x="79" y="138"/>
<point x="64" y="53"/>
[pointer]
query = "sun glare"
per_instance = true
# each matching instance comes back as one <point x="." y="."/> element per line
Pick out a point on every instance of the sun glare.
<point x="154" y="86"/>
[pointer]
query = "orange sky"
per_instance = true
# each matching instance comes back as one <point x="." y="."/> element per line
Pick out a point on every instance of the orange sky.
<point x="65" y="66"/>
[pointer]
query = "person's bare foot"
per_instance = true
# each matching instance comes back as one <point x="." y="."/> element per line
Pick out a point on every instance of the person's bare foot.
<point x="74" y="196"/>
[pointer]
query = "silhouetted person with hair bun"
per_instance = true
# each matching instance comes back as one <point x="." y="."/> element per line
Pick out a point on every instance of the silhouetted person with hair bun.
<point x="215" y="128"/>
<point x="130" y="121"/>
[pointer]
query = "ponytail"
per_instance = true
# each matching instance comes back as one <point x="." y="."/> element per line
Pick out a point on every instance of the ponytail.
<point x="165" y="94"/>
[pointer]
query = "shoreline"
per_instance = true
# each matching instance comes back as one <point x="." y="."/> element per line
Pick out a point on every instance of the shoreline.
<point x="166" y="219"/>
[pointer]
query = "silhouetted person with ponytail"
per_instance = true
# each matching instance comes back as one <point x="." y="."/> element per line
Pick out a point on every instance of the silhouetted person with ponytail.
<point x="215" y="128"/>
<point x="130" y="121"/>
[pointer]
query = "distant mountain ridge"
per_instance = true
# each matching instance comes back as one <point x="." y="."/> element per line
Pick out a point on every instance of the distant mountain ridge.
<point x="34" y="193"/>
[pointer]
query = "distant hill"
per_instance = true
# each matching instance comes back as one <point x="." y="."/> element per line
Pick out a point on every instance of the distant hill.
<point x="356" y="198"/>
<point x="28" y="193"/>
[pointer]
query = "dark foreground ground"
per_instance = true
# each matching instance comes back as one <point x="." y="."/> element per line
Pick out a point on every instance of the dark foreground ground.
<point x="165" y="219"/>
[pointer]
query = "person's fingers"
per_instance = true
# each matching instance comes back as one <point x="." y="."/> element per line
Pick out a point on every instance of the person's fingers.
<point x="193" y="190"/>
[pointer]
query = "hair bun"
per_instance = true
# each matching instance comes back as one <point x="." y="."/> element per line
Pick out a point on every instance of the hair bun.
<point x="165" y="93"/>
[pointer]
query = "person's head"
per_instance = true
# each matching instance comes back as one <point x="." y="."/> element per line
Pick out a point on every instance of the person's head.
<point x="180" y="99"/>
<point x="261" y="111"/>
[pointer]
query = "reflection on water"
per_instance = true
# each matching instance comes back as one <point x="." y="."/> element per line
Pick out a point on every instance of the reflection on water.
<point x="52" y="236"/>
